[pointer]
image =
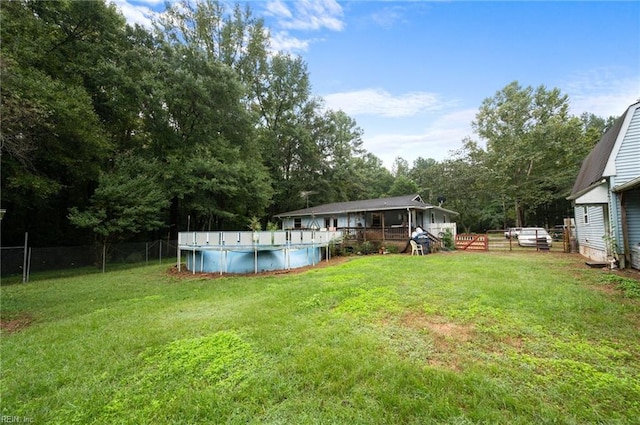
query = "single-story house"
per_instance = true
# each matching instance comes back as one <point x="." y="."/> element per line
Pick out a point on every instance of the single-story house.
<point x="606" y="195"/>
<point x="374" y="219"/>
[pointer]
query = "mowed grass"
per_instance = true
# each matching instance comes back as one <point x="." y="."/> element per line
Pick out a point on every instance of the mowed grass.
<point x="452" y="338"/>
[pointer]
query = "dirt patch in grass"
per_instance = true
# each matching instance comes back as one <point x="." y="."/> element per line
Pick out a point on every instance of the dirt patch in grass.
<point x="446" y="338"/>
<point x="15" y="324"/>
<point x="187" y="274"/>
<point x="629" y="273"/>
<point x="438" y="326"/>
<point x="607" y="289"/>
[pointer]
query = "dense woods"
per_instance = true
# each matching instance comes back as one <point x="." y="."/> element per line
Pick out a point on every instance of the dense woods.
<point x="112" y="132"/>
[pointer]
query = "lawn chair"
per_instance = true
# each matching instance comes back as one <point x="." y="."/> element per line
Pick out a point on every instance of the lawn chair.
<point x="416" y="248"/>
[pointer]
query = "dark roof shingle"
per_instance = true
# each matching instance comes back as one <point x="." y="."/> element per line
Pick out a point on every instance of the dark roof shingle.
<point x="594" y="164"/>
<point x="394" y="203"/>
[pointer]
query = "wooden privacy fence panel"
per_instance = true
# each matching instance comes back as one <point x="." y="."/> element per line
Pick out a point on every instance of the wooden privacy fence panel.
<point x="472" y="242"/>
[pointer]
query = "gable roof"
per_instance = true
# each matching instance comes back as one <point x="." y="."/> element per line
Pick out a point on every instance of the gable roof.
<point x="395" y="203"/>
<point x="592" y="169"/>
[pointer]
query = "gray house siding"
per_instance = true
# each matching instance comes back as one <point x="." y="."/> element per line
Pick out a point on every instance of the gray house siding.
<point x="628" y="158"/>
<point x="632" y="200"/>
<point x="391" y="218"/>
<point x="319" y="222"/>
<point x="627" y="165"/>
<point x="590" y="228"/>
<point x="608" y="185"/>
<point x="388" y="218"/>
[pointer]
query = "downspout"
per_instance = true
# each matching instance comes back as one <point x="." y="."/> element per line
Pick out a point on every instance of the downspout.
<point x="624" y="232"/>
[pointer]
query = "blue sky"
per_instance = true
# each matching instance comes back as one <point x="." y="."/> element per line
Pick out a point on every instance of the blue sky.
<point x="413" y="74"/>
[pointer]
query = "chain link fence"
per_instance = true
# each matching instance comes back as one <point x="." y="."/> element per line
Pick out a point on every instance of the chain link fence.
<point x="15" y="261"/>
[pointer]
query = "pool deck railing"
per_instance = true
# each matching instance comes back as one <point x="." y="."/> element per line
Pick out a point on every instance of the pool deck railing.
<point x="247" y="241"/>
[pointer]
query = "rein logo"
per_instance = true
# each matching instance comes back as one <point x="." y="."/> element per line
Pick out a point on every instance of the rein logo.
<point x="7" y="419"/>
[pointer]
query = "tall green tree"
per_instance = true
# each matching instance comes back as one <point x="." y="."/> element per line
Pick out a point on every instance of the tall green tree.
<point x="287" y="114"/>
<point x="594" y="127"/>
<point x="53" y="138"/>
<point x="303" y="147"/>
<point x="403" y="185"/>
<point x="129" y="199"/>
<point x="339" y="140"/>
<point x="424" y="174"/>
<point x="229" y="35"/>
<point x="400" y="167"/>
<point x="371" y="179"/>
<point x="531" y="145"/>
<point x="205" y="137"/>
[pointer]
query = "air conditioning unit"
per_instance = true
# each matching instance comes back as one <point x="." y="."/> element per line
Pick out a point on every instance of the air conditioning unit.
<point x="635" y="257"/>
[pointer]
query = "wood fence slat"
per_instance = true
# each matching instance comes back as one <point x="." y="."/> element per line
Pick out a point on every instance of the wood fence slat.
<point x="467" y="242"/>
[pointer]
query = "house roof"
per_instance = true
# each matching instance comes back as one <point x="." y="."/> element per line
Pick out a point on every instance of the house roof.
<point x="630" y="185"/>
<point x="592" y="169"/>
<point x="395" y="203"/>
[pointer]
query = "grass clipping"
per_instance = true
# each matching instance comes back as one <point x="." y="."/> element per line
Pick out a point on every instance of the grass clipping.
<point x="221" y="361"/>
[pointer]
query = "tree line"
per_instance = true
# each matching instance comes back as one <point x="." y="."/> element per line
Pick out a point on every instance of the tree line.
<point x="112" y="132"/>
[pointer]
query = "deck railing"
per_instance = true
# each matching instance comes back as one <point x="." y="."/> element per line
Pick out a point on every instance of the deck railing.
<point x="262" y="238"/>
<point x="394" y="233"/>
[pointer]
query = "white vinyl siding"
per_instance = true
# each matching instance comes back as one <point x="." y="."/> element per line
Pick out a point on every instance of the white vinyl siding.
<point x="627" y="165"/>
<point x="628" y="158"/>
<point x="632" y="203"/>
<point x="590" y="234"/>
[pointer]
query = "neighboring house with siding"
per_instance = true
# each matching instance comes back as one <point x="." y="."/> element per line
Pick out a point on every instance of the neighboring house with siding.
<point x="374" y="219"/>
<point x="606" y="194"/>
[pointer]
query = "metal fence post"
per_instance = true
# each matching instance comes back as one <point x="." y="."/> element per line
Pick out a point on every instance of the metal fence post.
<point x="29" y="265"/>
<point x="24" y="261"/>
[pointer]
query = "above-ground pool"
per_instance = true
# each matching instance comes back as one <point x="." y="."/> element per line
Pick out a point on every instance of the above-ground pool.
<point x="253" y="252"/>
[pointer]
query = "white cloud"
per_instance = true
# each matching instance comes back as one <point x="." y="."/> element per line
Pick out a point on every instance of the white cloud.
<point x="282" y="41"/>
<point x="137" y="14"/>
<point x="382" y="103"/>
<point x="306" y="14"/>
<point x="278" y="9"/>
<point x="301" y="15"/>
<point x="388" y="17"/>
<point x="440" y="137"/>
<point x="604" y="91"/>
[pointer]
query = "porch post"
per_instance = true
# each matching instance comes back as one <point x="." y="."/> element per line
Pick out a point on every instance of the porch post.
<point x="382" y="213"/>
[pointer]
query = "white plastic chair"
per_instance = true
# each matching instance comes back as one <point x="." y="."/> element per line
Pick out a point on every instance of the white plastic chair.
<point x="416" y="248"/>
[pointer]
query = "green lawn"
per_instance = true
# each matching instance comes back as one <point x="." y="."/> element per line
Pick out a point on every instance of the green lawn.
<point x="451" y="338"/>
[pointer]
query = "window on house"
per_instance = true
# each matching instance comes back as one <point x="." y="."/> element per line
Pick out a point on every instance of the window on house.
<point x="297" y="223"/>
<point x="433" y="218"/>
<point x="585" y="214"/>
<point x="444" y="219"/>
<point x="376" y="220"/>
<point x="330" y="222"/>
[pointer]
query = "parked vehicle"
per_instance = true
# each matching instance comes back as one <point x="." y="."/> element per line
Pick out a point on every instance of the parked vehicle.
<point x="528" y="236"/>
<point x="512" y="232"/>
<point x="557" y="233"/>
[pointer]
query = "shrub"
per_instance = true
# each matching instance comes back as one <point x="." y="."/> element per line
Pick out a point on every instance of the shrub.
<point x="366" y="248"/>
<point x="447" y="240"/>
